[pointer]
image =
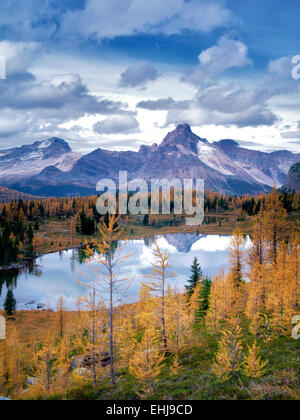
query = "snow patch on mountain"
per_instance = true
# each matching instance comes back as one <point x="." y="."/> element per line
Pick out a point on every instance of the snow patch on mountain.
<point x="45" y="144"/>
<point x="214" y="159"/>
<point x="30" y="160"/>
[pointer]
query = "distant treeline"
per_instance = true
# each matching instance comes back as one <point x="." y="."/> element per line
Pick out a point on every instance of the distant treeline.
<point x="19" y="219"/>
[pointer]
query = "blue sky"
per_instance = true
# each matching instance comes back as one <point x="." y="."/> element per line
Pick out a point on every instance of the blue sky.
<point x="120" y="73"/>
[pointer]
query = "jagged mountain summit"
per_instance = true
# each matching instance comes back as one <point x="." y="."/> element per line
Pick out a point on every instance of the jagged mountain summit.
<point x="26" y="161"/>
<point x="50" y="168"/>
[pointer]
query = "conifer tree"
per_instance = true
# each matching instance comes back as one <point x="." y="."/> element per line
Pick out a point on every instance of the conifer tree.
<point x="46" y="364"/>
<point x="203" y="299"/>
<point x="228" y="359"/>
<point x="61" y="315"/>
<point x="275" y="227"/>
<point x="236" y="257"/>
<point x="105" y="277"/>
<point x="10" y="303"/>
<point x="160" y="275"/>
<point x="195" y="277"/>
<point x="145" y="365"/>
<point x="254" y="367"/>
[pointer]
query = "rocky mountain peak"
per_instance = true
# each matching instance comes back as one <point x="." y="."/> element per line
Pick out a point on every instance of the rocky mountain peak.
<point x="53" y="147"/>
<point x="227" y="144"/>
<point x="182" y="136"/>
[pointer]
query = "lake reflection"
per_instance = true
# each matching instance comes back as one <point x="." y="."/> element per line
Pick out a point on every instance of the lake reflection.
<point x="55" y="273"/>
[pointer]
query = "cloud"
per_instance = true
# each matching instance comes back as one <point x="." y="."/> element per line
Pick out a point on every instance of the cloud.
<point x="12" y="123"/>
<point x="33" y="109"/>
<point x="62" y="94"/>
<point x="157" y="105"/>
<point x="291" y="134"/>
<point x="230" y="98"/>
<point x="138" y="75"/>
<point x="33" y="19"/>
<point x="225" y="101"/>
<point x="100" y="19"/>
<point x="226" y="55"/>
<point x="117" y="125"/>
<point x="197" y="116"/>
<point x="19" y="56"/>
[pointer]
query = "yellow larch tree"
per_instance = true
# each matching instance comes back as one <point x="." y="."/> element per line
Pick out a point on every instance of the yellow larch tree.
<point x="15" y="362"/>
<point x="159" y="276"/>
<point x="145" y="365"/>
<point x="103" y="257"/>
<point x="228" y="359"/>
<point x="177" y="318"/>
<point x="46" y="367"/>
<point x="222" y="297"/>
<point x="274" y="224"/>
<point x="60" y="315"/>
<point x="279" y="302"/>
<point x="253" y="366"/>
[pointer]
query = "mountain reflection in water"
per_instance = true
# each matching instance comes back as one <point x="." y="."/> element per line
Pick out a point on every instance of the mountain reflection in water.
<point x="54" y="274"/>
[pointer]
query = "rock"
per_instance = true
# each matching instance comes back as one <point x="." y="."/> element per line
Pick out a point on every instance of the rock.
<point x="11" y="319"/>
<point x="31" y="381"/>
<point x="80" y="372"/>
<point x="87" y="361"/>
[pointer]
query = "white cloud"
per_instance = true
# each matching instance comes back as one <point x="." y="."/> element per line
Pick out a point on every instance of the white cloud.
<point x="195" y="115"/>
<point x="227" y="54"/>
<point x="100" y="19"/>
<point x="212" y="243"/>
<point x="19" y="55"/>
<point x="118" y="124"/>
<point x="138" y="75"/>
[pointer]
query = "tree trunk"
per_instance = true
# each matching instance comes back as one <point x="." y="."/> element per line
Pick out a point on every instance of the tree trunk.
<point x="111" y="339"/>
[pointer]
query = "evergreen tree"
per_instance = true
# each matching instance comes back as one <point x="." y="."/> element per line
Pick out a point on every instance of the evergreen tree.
<point x="195" y="277"/>
<point x="10" y="303"/>
<point x="203" y="301"/>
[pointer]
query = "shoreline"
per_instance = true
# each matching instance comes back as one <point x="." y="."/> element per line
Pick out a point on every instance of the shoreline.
<point x="137" y="235"/>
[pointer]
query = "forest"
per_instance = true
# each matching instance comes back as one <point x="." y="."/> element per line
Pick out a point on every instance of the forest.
<point x="230" y="337"/>
<point x="21" y="238"/>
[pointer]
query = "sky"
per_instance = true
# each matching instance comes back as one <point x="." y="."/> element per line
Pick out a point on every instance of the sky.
<point x="117" y="74"/>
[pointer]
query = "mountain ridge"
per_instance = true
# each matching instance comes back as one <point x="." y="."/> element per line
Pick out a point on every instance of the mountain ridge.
<point x="225" y="166"/>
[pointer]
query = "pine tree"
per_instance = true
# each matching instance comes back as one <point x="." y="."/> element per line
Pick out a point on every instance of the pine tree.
<point x="195" y="277"/>
<point x="10" y="303"/>
<point x="203" y="301"/>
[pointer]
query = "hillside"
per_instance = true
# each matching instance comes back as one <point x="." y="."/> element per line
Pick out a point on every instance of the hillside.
<point x="7" y="195"/>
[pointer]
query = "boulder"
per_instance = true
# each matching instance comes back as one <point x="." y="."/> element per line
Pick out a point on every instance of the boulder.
<point x="31" y="381"/>
<point x="86" y="361"/>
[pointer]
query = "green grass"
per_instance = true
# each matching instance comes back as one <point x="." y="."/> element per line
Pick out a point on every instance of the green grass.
<point x="195" y="380"/>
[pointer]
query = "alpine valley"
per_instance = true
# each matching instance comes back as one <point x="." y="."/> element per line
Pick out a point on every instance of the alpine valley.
<point x="50" y="168"/>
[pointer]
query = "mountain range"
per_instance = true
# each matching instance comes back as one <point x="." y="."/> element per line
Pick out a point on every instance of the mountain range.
<point x="50" y="168"/>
